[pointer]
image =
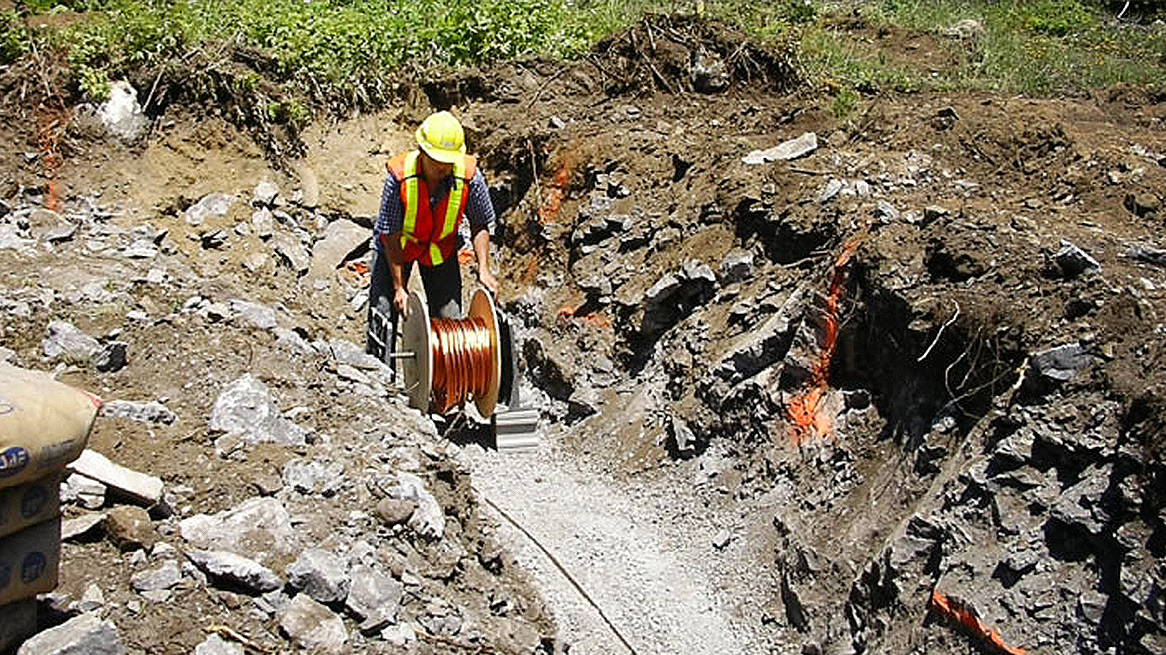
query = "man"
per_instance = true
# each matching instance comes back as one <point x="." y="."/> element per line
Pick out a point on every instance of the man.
<point x="427" y="194"/>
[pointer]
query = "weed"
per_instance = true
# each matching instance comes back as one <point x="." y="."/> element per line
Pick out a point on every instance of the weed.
<point x="844" y="104"/>
<point x="93" y="83"/>
<point x="796" y="11"/>
<point x="14" y="37"/>
<point x="1055" y="17"/>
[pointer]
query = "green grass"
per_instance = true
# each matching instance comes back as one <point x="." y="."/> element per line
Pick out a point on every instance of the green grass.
<point x="289" y="58"/>
<point x="1039" y="48"/>
<point x="319" y="46"/>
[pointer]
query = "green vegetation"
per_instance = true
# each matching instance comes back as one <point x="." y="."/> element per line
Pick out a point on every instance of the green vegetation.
<point x="279" y="61"/>
<point x="13" y="37"/>
<point x="1040" y="47"/>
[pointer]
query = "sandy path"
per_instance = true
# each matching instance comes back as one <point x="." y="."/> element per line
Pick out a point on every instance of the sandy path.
<point x="640" y="552"/>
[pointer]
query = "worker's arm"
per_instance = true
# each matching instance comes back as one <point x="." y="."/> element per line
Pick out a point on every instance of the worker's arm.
<point x="388" y="230"/>
<point x="395" y="258"/>
<point x="481" y="240"/>
<point x="480" y="212"/>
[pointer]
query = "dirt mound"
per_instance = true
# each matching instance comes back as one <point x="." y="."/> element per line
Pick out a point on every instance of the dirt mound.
<point x="674" y="53"/>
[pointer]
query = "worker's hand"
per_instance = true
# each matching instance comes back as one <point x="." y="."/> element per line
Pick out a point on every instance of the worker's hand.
<point x="401" y="302"/>
<point x="486" y="279"/>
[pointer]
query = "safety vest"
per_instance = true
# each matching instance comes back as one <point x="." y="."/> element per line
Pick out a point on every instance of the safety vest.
<point x="429" y="235"/>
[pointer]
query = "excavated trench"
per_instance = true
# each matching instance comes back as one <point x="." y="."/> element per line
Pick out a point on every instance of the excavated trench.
<point x="853" y="393"/>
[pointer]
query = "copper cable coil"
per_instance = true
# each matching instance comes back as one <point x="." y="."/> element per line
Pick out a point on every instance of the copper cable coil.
<point x="463" y="360"/>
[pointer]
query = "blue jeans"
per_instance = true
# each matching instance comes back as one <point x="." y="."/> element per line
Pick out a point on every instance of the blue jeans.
<point x="443" y="292"/>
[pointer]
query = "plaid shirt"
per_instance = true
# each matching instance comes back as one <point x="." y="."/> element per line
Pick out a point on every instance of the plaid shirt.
<point x="479" y="209"/>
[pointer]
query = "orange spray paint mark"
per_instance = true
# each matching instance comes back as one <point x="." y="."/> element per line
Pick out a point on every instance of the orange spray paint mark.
<point x="806" y="419"/>
<point x="465" y="256"/>
<point x="549" y="208"/>
<point x="965" y="617"/>
<point x="596" y="320"/>
<point x="48" y="136"/>
<point x="554" y="200"/>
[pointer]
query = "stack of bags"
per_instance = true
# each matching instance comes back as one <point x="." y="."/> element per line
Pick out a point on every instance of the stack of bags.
<point x="44" y="425"/>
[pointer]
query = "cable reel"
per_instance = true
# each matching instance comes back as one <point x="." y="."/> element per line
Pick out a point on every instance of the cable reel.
<point x="447" y="362"/>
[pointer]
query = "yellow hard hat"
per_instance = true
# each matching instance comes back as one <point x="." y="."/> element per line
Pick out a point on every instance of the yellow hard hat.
<point x="441" y="137"/>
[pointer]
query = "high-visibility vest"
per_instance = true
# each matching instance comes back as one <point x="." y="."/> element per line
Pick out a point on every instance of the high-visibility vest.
<point x="429" y="235"/>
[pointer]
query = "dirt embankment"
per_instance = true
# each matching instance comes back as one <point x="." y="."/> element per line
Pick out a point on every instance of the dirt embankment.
<point x="918" y="367"/>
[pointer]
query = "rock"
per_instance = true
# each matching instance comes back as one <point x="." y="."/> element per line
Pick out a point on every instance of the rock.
<point x="210" y="206"/>
<point x="92" y="600"/>
<point x="145" y="489"/>
<point x="1145" y="253"/>
<point x="291" y="252"/>
<point x="11" y="239"/>
<point x="158" y="579"/>
<point x="346" y="352"/>
<point x="130" y="528"/>
<point x="394" y="511"/>
<point x="373" y="593"/>
<point x="121" y="114"/>
<point x="214" y="239"/>
<point x="933" y="213"/>
<point x="292" y="340"/>
<point x="309" y="476"/>
<point x="235" y="571"/>
<point x="966" y="29"/>
<point x="1142" y="205"/>
<point x="722" y="539"/>
<point x="142" y="412"/>
<point x="320" y="574"/>
<point x="428" y="520"/>
<point x="82" y="526"/>
<point x="253" y="314"/>
<point x="112" y="357"/>
<point x="47" y="225"/>
<point x="245" y="408"/>
<point x="708" y="72"/>
<point x="682" y="437"/>
<point x="584" y="401"/>
<point x="1061" y="363"/>
<point x="759" y="348"/>
<point x="693" y="270"/>
<point x="737" y="266"/>
<point x="886" y="211"/>
<point x="1081" y="506"/>
<point x="64" y="341"/>
<point x="832" y="188"/>
<point x="792" y="149"/>
<point x="216" y="645"/>
<point x="86" y="634"/>
<point x="313" y="626"/>
<point x="400" y="635"/>
<point x="87" y="493"/>
<point x="265" y="194"/>
<point x="351" y="374"/>
<point x="1072" y="261"/>
<point x="263" y="223"/>
<point x="342" y="239"/>
<point x="671" y="298"/>
<point x="259" y="528"/>
<point x="548" y="368"/>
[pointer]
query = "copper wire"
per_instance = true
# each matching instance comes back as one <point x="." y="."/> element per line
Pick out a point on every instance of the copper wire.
<point x="463" y="361"/>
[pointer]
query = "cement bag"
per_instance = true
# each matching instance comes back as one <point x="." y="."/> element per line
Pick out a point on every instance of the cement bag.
<point x="43" y="424"/>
